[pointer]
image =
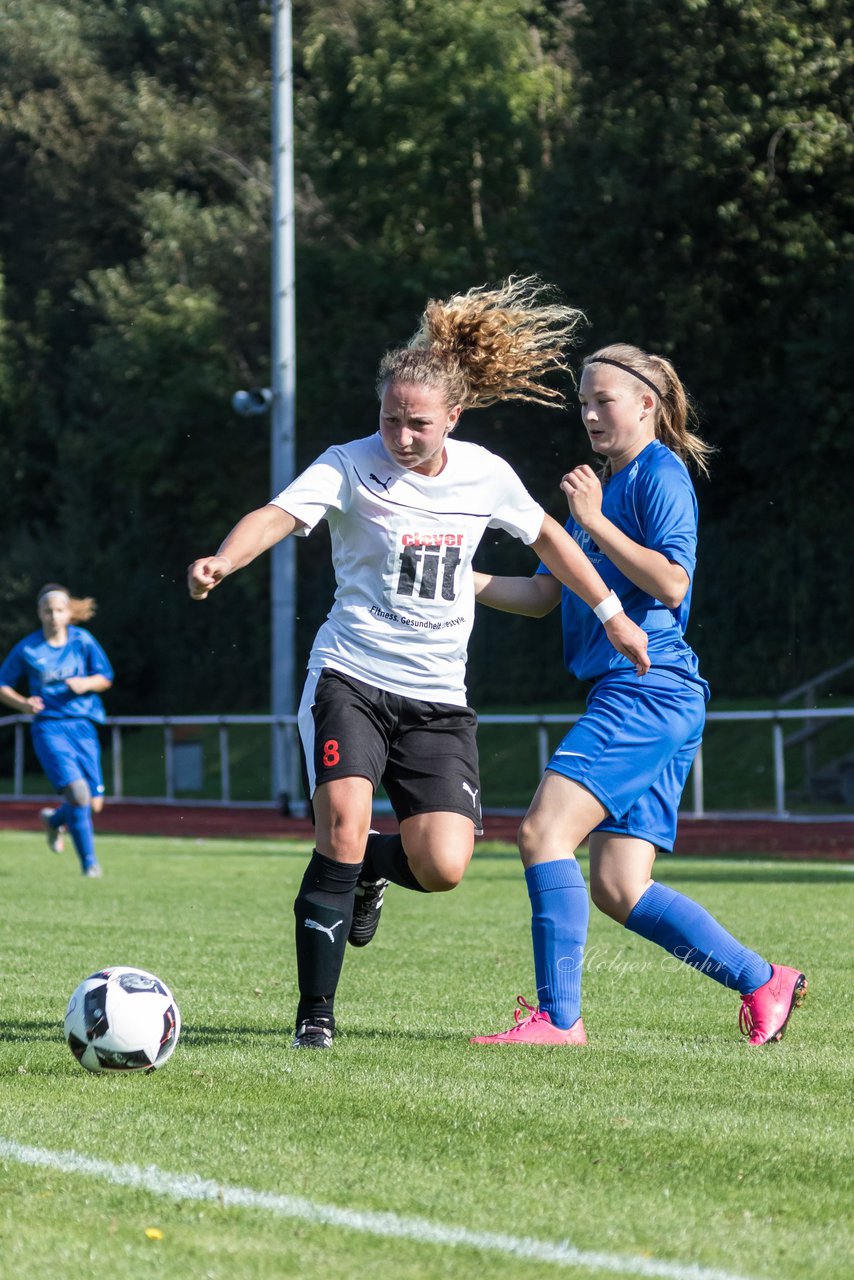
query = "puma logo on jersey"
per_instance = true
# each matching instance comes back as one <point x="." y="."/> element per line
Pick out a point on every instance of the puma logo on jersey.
<point x="385" y="483"/>
<point x="330" y="931"/>
<point x="472" y="792"/>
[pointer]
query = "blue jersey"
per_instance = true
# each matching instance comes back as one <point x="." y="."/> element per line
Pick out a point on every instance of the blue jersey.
<point x="652" y="501"/>
<point x="47" y="667"/>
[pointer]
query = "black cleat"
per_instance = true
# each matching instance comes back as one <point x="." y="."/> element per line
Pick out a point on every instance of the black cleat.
<point x="314" y="1033"/>
<point x="366" y="912"/>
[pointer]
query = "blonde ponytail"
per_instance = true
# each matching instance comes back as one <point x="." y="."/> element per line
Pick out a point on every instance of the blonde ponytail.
<point x="489" y="344"/>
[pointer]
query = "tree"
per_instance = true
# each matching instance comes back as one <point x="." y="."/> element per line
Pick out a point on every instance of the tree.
<point x="683" y="172"/>
<point x="705" y="202"/>
<point x="423" y="128"/>
<point x="138" y="244"/>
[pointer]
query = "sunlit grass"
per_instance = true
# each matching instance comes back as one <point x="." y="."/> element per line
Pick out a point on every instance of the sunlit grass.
<point x="666" y="1138"/>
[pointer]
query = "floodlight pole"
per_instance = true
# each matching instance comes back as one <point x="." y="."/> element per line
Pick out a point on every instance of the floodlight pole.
<point x="285" y="771"/>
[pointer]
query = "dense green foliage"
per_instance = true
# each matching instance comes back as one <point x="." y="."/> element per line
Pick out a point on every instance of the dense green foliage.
<point x="684" y="174"/>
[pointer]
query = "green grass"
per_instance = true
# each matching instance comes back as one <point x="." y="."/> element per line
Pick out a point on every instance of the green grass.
<point x="666" y="1138"/>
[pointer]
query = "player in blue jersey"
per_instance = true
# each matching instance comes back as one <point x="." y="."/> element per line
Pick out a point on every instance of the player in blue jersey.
<point x="385" y="697"/>
<point x="65" y="670"/>
<point x="617" y="776"/>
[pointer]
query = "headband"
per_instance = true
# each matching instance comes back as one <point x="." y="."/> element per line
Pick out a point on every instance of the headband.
<point x="626" y="369"/>
<point x="52" y="591"/>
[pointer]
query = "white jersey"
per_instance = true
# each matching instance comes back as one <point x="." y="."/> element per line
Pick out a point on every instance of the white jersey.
<point x="402" y="548"/>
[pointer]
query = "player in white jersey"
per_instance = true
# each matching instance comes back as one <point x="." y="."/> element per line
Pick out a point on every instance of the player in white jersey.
<point x="385" y="699"/>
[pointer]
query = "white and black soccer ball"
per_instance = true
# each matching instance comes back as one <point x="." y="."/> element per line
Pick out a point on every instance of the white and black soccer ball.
<point x="122" y="1019"/>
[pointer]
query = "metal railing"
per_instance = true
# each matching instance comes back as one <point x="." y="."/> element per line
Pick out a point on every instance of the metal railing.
<point x="279" y="726"/>
<point x="776" y="719"/>
<point x="812" y="725"/>
<point x="809" y="689"/>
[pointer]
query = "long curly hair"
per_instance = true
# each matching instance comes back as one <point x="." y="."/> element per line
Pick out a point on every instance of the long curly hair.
<point x="489" y="344"/>
<point x="675" y="415"/>
<point x="82" y="609"/>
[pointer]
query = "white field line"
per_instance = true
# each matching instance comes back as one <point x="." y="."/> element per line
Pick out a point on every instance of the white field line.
<point x="179" y="1186"/>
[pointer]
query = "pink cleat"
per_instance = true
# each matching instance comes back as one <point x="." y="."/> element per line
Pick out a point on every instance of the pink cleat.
<point x="536" y="1028"/>
<point x="766" y="1011"/>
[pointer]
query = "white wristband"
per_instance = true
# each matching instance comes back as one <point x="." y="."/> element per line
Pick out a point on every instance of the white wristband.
<point x="607" y="608"/>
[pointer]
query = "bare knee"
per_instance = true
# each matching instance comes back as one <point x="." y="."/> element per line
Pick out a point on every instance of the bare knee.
<point x="561" y="817"/>
<point x="434" y="882"/>
<point x="608" y="900"/>
<point x="438" y="848"/>
<point x="342" y="815"/>
<point x="529" y="838"/>
<point x="438" y="874"/>
<point x="615" y="897"/>
<point x="78" y="793"/>
<point x="346" y="838"/>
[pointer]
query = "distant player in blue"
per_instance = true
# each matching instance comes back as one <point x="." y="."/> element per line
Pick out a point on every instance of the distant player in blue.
<point x="65" y="669"/>
<point x="617" y="777"/>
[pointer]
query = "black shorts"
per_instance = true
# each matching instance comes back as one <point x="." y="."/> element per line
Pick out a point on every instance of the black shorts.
<point x="423" y="753"/>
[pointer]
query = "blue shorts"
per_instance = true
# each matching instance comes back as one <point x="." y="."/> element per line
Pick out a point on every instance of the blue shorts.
<point x="68" y="750"/>
<point x="633" y="748"/>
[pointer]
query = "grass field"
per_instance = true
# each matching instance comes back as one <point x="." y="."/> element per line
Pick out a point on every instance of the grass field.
<point x="666" y="1148"/>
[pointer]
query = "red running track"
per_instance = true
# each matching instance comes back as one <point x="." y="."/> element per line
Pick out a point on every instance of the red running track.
<point x="829" y="841"/>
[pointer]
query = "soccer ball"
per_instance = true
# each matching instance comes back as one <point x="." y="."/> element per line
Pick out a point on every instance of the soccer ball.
<point x="122" y="1019"/>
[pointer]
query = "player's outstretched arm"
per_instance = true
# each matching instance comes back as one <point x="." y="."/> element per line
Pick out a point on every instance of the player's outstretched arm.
<point x="533" y="597"/>
<point x="569" y="564"/>
<point x="563" y="556"/>
<point x="254" y="534"/>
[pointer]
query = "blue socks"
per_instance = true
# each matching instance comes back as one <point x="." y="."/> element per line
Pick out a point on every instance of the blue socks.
<point x="78" y="819"/>
<point x="559" y="918"/>
<point x="689" y="933"/>
<point x="560" y="911"/>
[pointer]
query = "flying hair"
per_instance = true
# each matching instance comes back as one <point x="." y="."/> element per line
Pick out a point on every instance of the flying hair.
<point x="81" y="609"/>
<point x="489" y="344"/>
<point x="675" y="416"/>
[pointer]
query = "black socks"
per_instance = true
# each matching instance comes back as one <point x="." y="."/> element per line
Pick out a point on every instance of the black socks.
<point x="386" y="860"/>
<point x="324" y="913"/>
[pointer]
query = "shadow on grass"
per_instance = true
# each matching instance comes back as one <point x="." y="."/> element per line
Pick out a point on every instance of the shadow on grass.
<point x="368" y="1034"/>
<point x="202" y="1036"/>
<point x="21" y="1031"/>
